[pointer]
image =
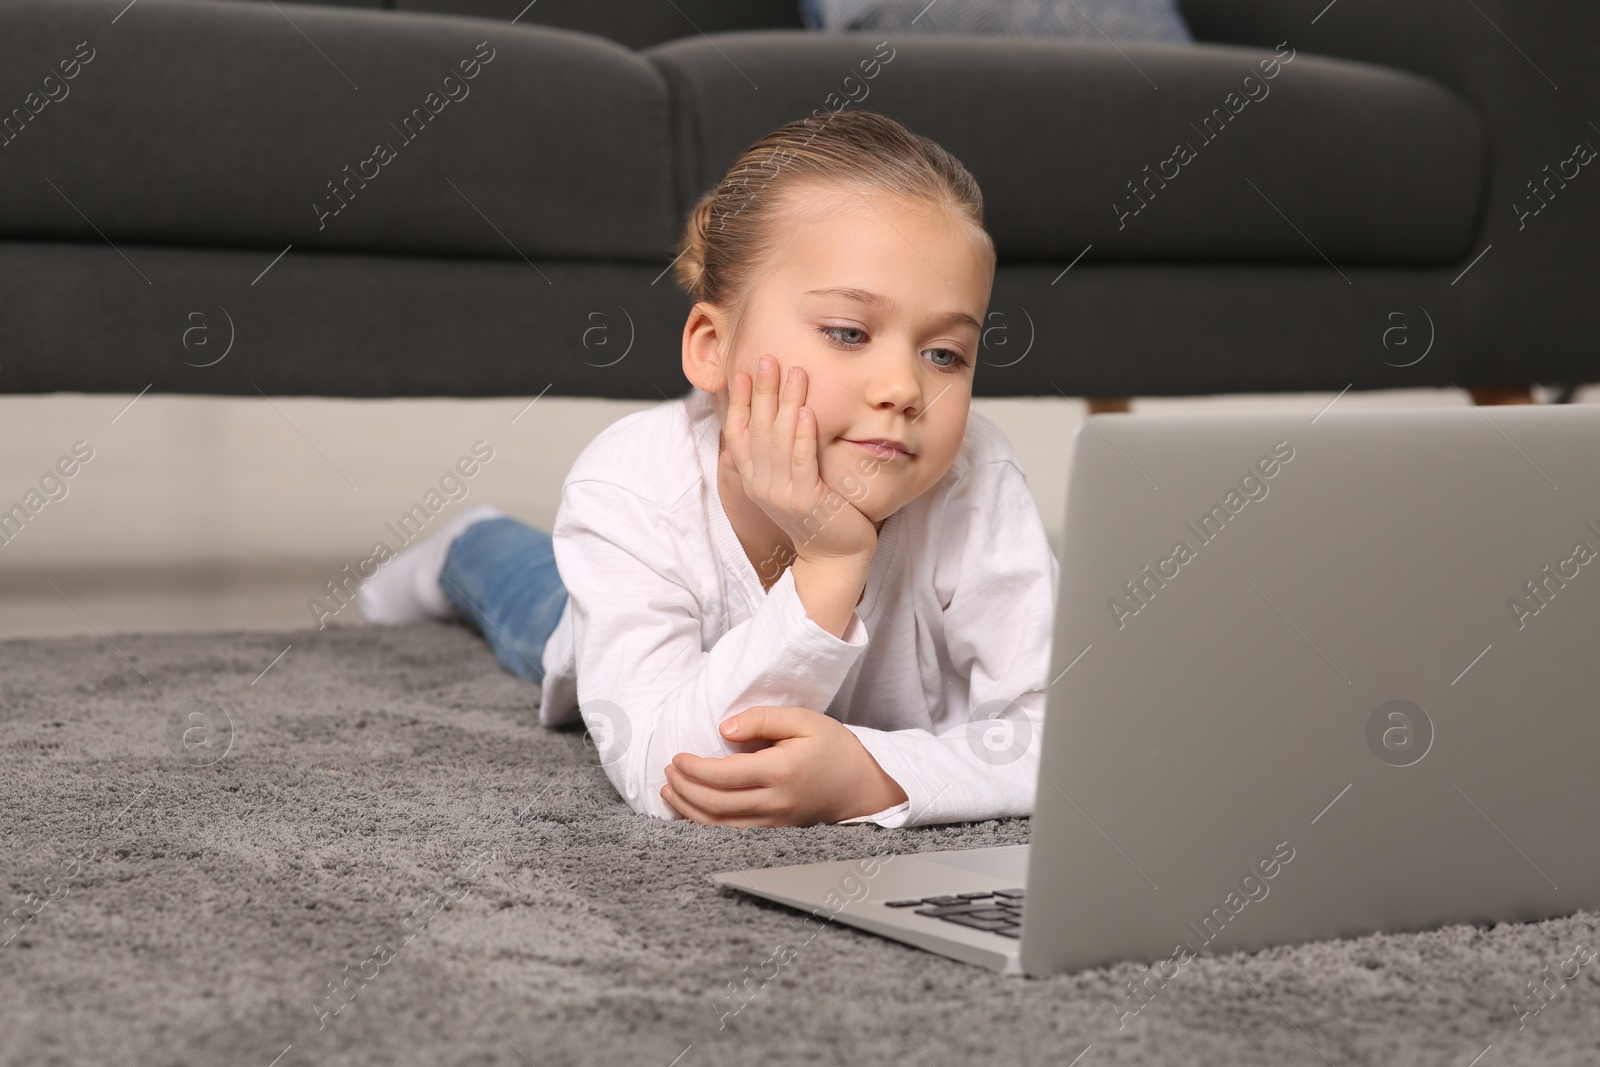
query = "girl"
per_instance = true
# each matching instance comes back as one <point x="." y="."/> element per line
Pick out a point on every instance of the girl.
<point x="816" y="588"/>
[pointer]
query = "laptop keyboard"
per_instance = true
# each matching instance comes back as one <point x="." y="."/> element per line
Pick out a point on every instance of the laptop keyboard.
<point x="999" y="912"/>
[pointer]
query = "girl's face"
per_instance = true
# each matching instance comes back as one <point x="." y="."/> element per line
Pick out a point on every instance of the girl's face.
<point x="881" y="301"/>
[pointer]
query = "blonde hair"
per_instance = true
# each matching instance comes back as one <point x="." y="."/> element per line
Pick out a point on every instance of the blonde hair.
<point x="732" y="230"/>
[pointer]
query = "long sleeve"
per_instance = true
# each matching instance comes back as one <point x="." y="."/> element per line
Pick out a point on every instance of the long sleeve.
<point x="981" y="760"/>
<point x="647" y="687"/>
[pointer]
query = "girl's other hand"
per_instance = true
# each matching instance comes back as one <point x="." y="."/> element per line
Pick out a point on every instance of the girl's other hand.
<point x="772" y="444"/>
<point x="815" y="770"/>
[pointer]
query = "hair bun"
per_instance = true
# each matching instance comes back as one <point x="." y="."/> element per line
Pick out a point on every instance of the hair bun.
<point x="690" y="267"/>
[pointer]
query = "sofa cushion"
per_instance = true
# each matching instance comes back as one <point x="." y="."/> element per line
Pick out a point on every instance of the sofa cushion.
<point x="1147" y="152"/>
<point x="1095" y="20"/>
<point x="635" y="23"/>
<point x="206" y="123"/>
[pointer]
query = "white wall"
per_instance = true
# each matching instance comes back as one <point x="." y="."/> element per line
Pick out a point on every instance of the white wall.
<point x="192" y="495"/>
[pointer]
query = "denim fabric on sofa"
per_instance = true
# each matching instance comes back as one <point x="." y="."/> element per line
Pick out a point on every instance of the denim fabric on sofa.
<point x="215" y="164"/>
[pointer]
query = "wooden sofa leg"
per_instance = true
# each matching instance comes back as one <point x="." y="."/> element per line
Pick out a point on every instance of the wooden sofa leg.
<point x="1101" y="405"/>
<point x="1486" y="395"/>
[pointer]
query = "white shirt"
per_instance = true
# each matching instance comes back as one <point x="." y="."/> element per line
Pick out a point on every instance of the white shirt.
<point x="668" y="630"/>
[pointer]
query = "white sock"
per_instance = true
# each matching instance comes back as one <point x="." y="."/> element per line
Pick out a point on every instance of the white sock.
<point x="407" y="589"/>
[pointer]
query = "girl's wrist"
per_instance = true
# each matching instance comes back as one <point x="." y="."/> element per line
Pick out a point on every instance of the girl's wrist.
<point x="830" y="591"/>
<point x="878" y="791"/>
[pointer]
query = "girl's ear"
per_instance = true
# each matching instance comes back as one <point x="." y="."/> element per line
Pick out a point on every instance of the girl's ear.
<point x="702" y="344"/>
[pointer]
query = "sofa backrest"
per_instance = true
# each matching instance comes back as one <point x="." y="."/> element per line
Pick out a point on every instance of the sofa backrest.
<point x="630" y="22"/>
<point x="635" y="23"/>
<point x="428" y="135"/>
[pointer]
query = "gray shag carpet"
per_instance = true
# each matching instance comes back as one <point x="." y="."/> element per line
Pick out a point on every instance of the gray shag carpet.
<point x="380" y="809"/>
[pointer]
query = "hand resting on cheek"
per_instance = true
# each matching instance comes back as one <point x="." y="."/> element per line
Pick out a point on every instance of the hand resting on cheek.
<point x="772" y="443"/>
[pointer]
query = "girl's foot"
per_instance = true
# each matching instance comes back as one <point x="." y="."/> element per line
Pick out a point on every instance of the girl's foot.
<point x="406" y="589"/>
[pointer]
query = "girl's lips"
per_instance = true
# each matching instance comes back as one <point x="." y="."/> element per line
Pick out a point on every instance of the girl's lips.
<point x="881" y="451"/>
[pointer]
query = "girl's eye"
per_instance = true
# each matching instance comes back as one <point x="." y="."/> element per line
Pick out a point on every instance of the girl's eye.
<point x="957" y="360"/>
<point x="834" y="331"/>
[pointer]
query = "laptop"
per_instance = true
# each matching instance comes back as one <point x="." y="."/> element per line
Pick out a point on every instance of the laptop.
<point x="1312" y="677"/>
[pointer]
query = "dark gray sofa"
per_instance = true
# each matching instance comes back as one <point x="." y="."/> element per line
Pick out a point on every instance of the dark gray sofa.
<point x="166" y="215"/>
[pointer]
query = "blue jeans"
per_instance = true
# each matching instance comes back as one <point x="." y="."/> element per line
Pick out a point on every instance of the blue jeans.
<point x="501" y="576"/>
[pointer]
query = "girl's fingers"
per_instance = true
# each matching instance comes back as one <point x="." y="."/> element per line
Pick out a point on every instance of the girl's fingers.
<point x="783" y="431"/>
<point x="771" y="436"/>
<point x="710" y="804"/>
<point x="755" y="435"/>
<point x="805" y="448"/>
<point x="672" y="801"/>
<point x="764" y="419"/>
<point x="684" y="808"/>
<point x="734" y="432"/>
<point x="737" y="770"/>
